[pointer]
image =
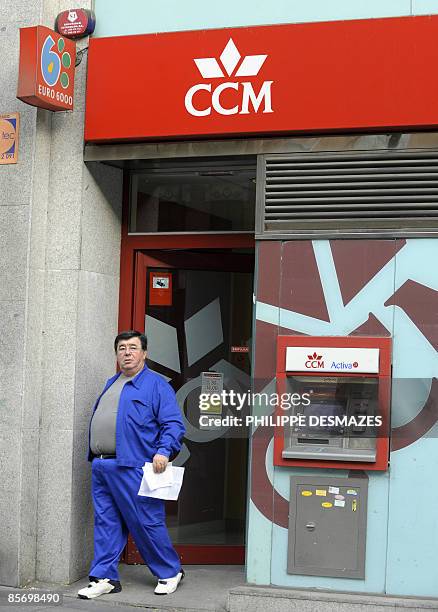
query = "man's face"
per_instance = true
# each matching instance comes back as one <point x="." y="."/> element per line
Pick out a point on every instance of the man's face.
<point x="130" y="356"/>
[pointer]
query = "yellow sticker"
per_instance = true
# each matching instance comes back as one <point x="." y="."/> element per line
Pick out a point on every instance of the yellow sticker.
<point x="354" y="505"/>
<point x="326" y="504"/>
<point x="306" y="493"/>
<point x="321" y="492"/>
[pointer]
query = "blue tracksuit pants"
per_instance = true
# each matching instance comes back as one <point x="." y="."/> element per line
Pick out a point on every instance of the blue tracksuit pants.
<point x="118" y="509"/>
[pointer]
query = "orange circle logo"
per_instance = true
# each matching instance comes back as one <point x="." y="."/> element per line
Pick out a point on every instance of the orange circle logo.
<point x="8" y="136"/>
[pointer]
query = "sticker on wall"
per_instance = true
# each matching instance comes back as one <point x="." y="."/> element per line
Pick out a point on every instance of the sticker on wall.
<point x="160" y="289"/>
<point x="9" y="125"/>
<point x="354" y="505"/>
<point x="160" y="282"/>
<point x="334" y="490"/>
<point x="339" y="497"/>
<point x="326" y="504"/>
<point x="351" y="492"/>
<point x="321" y="492"/>
<point x="340" y="503"/>
<point x="306" y="493"/>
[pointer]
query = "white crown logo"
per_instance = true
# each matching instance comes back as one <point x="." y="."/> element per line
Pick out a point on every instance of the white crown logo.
<point x="210" y="68"/>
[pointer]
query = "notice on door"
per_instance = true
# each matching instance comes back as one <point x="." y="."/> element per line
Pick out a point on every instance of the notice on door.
<point x="212" y="385"/>
<point x="160" y="289"/>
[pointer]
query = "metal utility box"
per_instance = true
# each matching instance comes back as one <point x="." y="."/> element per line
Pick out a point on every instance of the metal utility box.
<point x="327" y="526"/>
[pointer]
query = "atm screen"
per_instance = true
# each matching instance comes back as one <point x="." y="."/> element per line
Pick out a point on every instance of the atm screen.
<point x="338" y="399"/>
<point x="318" y="410"/>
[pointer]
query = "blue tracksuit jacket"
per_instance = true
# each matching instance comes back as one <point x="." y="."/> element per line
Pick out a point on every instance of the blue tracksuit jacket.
<point x="148" y="420"/>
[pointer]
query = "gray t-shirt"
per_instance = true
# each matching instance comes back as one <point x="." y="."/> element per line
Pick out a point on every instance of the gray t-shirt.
<point x="103" y="423"/>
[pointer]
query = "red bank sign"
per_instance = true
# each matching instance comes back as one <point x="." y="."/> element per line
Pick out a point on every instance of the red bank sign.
<point x="46" y="69"/>
<point x="347" y="75"/>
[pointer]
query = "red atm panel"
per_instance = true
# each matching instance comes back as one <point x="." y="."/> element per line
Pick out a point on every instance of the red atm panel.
<point x="342" y="418"/>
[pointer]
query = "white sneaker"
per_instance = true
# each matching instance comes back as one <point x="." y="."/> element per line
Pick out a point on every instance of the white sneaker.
<point x="169" y="585"/>
<point x="94" y="589"/>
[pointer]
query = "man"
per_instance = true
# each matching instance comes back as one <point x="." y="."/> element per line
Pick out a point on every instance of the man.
<point x="136" y="419"/>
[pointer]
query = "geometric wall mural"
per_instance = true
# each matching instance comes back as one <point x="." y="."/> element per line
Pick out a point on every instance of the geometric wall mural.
<point x="348" y="287"/>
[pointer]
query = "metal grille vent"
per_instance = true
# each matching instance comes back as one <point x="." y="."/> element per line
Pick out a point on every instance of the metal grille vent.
<point x="349" y="191"/>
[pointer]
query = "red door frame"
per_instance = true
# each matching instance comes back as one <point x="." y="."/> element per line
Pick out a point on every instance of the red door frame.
<point x="130" y="285"/>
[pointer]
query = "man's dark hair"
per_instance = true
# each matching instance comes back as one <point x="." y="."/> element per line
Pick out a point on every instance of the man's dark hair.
<point x="127" y="335"/>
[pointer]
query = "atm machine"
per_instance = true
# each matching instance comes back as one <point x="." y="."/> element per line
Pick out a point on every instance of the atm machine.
<point x="347" y="382"/>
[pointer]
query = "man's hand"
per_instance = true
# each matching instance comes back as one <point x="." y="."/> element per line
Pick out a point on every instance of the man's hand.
<point x="160" y="462"/>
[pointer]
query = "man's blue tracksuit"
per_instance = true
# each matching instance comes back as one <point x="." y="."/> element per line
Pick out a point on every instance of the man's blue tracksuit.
<point x="148" y="422"/>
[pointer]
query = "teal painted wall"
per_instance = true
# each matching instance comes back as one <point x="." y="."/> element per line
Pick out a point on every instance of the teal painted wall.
<point x="397" y="291"/>
<point x="412" y="568"/>
<point x="117" y="18"/>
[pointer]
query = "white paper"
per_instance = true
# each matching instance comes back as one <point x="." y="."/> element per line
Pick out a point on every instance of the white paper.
<point x="174" y="476"/>
<point x="334" y="490"/>
<point x="156" y="480"/>
<point x="340" y="503"/>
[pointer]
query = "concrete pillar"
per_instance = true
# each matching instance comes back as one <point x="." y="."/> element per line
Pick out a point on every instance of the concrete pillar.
<point x="60" y="250"/>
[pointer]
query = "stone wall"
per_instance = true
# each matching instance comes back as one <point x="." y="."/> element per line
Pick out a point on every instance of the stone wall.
<point x="60" y="257"/>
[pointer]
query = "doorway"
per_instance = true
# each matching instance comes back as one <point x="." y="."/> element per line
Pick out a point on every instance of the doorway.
<point x="195" y="306"/>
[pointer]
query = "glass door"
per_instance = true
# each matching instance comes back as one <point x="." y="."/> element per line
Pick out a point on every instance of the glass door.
<point x="196" y="310"/>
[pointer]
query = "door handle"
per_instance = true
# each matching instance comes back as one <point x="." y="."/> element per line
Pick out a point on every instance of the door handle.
<point x="310" y="526"/>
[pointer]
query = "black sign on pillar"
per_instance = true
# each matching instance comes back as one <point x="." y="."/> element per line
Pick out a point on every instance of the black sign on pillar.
<point x="75" y="23"/>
